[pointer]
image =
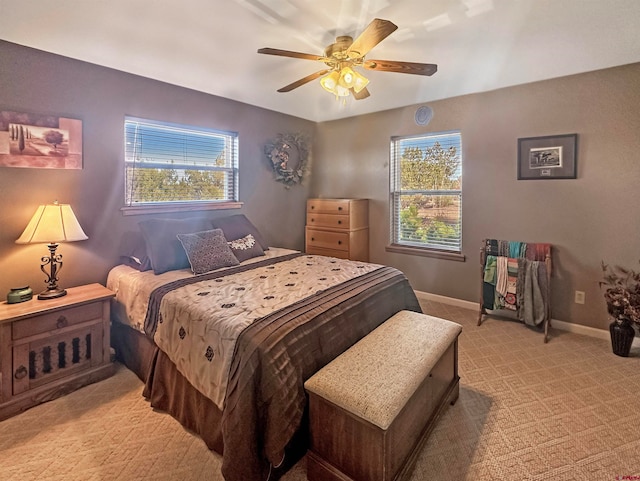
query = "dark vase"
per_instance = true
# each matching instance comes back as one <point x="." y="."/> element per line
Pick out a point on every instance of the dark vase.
<point x="622" y="334"/>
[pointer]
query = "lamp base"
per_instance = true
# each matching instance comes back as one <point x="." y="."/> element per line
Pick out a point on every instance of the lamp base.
<point x="52" y="293"/>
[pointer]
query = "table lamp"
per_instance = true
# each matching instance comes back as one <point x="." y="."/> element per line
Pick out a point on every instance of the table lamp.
<point x="51" y="224"/>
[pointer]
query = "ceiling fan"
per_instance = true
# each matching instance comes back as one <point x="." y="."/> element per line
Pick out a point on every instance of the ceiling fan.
<point x="340" y="78"/>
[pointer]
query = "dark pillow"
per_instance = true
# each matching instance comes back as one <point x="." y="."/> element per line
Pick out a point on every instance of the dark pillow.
<point x="133" y="251"/>
<point x="163" y="247"/>
<point x="246" y="248"/>
<point x="238" y="226"/>
<point x="207" y="251"/>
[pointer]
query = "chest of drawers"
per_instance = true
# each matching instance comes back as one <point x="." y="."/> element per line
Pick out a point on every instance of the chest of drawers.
<point x="338" y="228"/>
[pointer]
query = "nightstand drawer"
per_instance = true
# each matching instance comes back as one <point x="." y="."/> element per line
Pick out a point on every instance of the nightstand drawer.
<point x="327" y="239"/>
<point x="336" y="221"/>
<point x="56" y="320"/>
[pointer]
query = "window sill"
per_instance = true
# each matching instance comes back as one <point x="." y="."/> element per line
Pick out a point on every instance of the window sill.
<point x="421" y="251"/>
<point x="186" y="207"/>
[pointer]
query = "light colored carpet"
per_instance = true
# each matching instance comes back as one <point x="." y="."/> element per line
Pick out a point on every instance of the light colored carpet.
<point x="566" y="410"/>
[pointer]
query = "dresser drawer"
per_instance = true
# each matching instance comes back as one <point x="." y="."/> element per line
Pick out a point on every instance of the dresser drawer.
<point x="56" y="320"/>
<point x="335" y="221"/>
<point x="327" y="239"/>
<point x="328" y="206"/>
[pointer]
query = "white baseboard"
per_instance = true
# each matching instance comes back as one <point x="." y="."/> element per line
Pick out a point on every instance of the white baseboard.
<point x="555" y="323"/>
<point x="452" y="301"/>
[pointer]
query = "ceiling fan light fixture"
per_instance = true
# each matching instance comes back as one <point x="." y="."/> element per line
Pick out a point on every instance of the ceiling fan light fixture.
<point x="351" y="79"/>
<point x="347" y="77"/>
<point x="330" y="82"/>
<point x="359" y="82"/>
<point x="342" y="57"/>
<point x="342" y="91"/>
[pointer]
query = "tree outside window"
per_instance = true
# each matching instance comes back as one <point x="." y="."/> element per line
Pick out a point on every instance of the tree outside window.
<point x="426" y="191"/>
<point x="168" y="163"/>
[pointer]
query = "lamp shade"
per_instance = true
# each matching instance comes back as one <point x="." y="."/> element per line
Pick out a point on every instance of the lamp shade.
<point x="52" y="223"/>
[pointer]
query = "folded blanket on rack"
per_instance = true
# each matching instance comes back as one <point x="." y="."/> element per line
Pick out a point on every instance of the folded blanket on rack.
<point x="533" y="302"/>
<point x="503" y="248"/>
<point x="491" y="247"/>
<point x="517" y="249"/>
<point x="537" y="251"/>
<point x="501" y="275"/>
<point x="512" y="280"/>
<point x="515" y="278"/>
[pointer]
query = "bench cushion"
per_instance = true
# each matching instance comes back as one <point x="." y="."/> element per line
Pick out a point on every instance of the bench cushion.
<point x="376" y="376"/>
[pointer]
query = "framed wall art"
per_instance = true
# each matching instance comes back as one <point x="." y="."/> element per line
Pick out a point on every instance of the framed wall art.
<point x="40" y="141"/>
<point x="550" y="157"/>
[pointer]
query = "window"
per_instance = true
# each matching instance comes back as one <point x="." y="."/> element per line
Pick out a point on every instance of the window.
<point x="426" y="192"/>
<point x="170" y="165"/>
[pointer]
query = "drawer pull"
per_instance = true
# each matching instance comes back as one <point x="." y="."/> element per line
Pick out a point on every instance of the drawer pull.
<point x="339" y="242"/>
<point x="21" y="372"/>
<point x="313" y="207"/>
<point x="339" y="222"/>
<point x="339" y="208"/>
<point x="313" y="238"/>
<point x="62" y="322"/>
<point x="312" y="219"/>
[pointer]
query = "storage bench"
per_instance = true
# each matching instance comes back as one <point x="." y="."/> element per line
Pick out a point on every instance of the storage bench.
<point x="372" y="408"/>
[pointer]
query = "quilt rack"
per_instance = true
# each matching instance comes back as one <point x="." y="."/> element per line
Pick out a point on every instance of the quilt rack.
<point x="526" y="289"/>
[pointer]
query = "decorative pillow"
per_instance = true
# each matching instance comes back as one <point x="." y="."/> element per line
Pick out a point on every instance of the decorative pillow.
<point x="207" y="250"/>
<point x="133" y="251"/>
<point x="246" y="248"/>
<point x="163" y="247"/>
<point x="238" y="226"/>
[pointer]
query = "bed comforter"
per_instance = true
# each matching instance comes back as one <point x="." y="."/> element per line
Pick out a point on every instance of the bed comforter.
<point x="282" y="320"/>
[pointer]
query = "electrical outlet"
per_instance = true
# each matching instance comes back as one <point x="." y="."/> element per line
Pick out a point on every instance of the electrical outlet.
<point x="579" y="299"/>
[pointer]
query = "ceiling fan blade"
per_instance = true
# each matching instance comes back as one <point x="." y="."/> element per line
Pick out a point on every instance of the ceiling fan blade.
<point x="375" y="33"/>
<point x="401" y="67"/>
<point x="303" y="81"/>
<point x="289" y="53"/>
<point x="363" y="94"/>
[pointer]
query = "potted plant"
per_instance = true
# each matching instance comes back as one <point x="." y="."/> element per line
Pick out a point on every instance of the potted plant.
<point x="622" y="294"/>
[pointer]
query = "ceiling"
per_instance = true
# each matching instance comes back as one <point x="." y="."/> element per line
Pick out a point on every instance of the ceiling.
<point x="210" y="45"/>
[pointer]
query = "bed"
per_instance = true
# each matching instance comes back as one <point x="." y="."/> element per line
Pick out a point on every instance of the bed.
<point x="226" y="352"/>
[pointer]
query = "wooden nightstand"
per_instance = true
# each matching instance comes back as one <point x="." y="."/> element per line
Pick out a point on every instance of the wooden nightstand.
<point x="51" y="347"/>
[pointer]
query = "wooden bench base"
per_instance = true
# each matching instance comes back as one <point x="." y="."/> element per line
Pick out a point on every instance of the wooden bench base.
<point x="345" y="447"/>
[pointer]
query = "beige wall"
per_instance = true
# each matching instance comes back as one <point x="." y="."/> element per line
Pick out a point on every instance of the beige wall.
<point x="35" y="81"/>
<point x="589" y="219"/>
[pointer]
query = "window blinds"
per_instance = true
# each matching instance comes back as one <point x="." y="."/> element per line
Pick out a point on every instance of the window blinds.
<point x="167" y="162"/>
<point x="426" y="191"/>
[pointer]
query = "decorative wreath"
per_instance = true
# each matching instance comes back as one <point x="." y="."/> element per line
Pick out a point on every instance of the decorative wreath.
<point x="289" y="158"/>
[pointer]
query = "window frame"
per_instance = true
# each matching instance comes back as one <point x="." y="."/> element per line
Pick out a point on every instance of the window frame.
<point x="231" y="142"/>
<point x="396" y="193"/>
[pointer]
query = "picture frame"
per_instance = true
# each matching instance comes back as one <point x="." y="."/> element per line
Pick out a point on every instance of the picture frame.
<point x="38" y="140"/>
<point x="548" y="157"/>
